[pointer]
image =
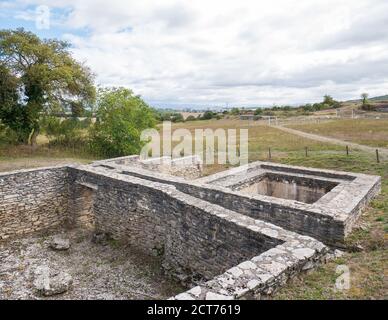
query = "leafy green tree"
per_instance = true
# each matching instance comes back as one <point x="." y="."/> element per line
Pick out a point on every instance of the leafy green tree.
<point x="258" y="111"/>
<point x="191" y="118"/>
<point x="67" y="132"/>
<point x="77" y="109"/>
<point x="166" y="115"/>
<point x="235" y="111"/>
<point x="43" y="76"/>
<point x="329" y="101"/>
<point x="177" y="117"/>
<point x="207" y="115"/>
<point x="365" y="103"/>
<point x="12" y="113"/>
<point x="121" y="117"/>
<point x="364" y="97"/>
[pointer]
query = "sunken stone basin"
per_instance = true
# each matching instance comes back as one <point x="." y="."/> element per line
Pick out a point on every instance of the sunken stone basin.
<point x="289" y="187"/>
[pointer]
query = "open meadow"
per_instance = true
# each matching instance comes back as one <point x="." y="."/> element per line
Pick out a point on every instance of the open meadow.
<point x="371" y="132"/>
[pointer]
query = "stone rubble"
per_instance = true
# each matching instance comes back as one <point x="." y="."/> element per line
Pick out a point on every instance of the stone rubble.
<point x="59" y="243"/>
<point x="49" y="282"/>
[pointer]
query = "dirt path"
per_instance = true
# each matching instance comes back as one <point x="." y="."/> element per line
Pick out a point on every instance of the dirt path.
<point x="382" y="151"/>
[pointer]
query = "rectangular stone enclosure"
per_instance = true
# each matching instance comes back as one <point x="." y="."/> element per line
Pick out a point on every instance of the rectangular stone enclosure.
<point x="276" y="185"/>
<point x="239" y="233"/>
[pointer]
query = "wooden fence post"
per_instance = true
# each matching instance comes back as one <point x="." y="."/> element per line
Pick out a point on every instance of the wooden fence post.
<point x="377" y="156"/>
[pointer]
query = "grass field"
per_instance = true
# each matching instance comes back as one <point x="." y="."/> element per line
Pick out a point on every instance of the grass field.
<point x="261" y="138"/>
<point x="368" y="267"/>
<point x="363" y="131"/>
<point x="22" y="157"/>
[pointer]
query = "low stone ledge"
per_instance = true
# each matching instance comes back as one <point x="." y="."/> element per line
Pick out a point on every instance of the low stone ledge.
<point x="262" y="275"/>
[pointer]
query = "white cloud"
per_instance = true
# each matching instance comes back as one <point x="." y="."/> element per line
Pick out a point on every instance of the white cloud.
<point x="246" y="52"/>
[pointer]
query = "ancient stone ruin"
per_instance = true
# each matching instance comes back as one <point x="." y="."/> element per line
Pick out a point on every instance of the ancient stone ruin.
<point x="240" y="233"/>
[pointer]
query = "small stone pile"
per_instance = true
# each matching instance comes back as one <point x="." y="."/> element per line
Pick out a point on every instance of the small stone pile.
<point x="49" y="282"/>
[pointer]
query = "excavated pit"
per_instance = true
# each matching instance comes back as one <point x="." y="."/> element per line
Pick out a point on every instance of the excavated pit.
<point x="289" y="187"/>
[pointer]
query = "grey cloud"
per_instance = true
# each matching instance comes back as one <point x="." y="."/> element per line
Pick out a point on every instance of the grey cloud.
<point x="369" y="27"/>
<point x="340" y="73"/>
<point x="175" y="16"/>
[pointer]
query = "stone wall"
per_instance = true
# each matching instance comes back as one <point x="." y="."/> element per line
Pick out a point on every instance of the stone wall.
<point x="262" y="275"/>
<point x="313" y="222"/>
<point x="191" y="227"/>
<point x="329" y="219"/>
<point x="189" y="167"/>
<point x="158" y="219"/>
<point x="81" y="205"/>
<point x="308" y="222"/>
<point x="32" y="200"/>
<point x="286" y="187"/>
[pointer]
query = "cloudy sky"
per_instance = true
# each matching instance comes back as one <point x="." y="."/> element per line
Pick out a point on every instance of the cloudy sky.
<point x="218" y="52"/>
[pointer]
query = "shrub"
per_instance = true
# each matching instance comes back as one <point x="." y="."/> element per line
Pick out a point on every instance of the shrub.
<point x="121" y="117"/>
<point x="235" y="111"/>
<point x="67" y="132"/>
<point x="258" y="111"/>
<point x="177" y="117"/>
<point x="191" y="118"/>
<point x="207" y="115"/>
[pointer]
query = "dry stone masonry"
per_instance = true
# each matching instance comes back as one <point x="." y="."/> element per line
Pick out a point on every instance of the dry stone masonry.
<point x="32" y="200"/>
<point x="236" y="234"/>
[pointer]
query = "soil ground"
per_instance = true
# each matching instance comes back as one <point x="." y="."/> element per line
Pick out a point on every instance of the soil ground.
<point x="109" y="271"/>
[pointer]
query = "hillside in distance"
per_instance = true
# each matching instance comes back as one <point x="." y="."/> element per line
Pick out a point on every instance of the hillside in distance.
<point x="375" y="99"/>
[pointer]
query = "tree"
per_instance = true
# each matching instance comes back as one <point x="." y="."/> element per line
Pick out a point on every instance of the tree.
<point x="44" y="77"/>
<point x="235" y="111"/>
<point x="207" y="115"/>
<point x="364" y="97"/>
<point x="365" y="103"/>
<point x="191" y="118"/>
<point x="67" y="132"/>
<point x="12" y="114"/>
<point x="121" y="117"/>
<point x="328" y="100"/>
<point x="177" y="117"/>
<point x="258" y="111"/>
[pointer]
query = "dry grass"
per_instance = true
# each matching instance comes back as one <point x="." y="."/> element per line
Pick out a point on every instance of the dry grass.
<point x="261" y="138"/>
<point x="368" y="268"/>
<point x="23" y="157"/>
<point x="363" y="131"/>
<point x="7" y="164"/>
